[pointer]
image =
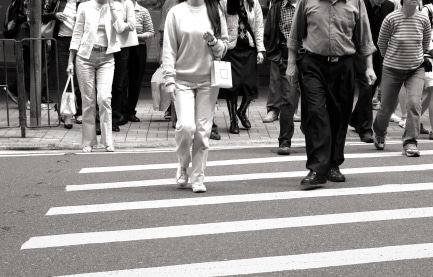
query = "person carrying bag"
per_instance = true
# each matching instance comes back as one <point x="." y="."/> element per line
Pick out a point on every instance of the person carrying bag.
<point x="68" y="106"/>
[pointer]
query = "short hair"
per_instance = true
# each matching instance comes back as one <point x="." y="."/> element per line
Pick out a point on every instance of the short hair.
<point x="401" y="2"/>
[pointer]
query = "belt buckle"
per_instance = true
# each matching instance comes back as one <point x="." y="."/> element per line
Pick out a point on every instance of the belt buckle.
<point x="333" y="59"/>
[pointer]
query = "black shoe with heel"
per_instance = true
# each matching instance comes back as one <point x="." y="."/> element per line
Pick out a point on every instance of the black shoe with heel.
<point x="242" y="113"/>
<point x="234" y="127"/>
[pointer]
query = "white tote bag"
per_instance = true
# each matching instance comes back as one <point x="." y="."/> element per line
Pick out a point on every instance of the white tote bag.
<point x="68" y="106"/>
<point x="221" y="74"/>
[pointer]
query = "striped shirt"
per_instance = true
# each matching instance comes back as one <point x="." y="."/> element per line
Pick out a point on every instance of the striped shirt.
<point x="143" y="23"/>
<point x="403" y="40"/>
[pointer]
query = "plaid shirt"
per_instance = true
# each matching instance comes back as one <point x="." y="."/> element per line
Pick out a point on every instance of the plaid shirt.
<point x="287" y="13"/>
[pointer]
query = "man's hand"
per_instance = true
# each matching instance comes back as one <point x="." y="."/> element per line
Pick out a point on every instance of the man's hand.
<point x="291" y="73"/>
<point x="60" y="16"/>
<point x="171" y="88"/>
<point x="260" y="58"/>
<point x="371" y="76"/>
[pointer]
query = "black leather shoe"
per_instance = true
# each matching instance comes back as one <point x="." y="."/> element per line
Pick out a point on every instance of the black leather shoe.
<point x="334" y="175"/>
<point x="313" y="180"/>
<point x="115" y="128"/>
<point x="133" y="118"/>
<point x="122" y="121"/>
<point x="284" y="149"/>
<point x="366" y="137"/>
<point x="68" y="126"/>
<point x="423" y="130"/>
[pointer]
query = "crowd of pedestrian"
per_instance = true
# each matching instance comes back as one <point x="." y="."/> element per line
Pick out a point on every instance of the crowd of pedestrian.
<point x="319" y="53"/>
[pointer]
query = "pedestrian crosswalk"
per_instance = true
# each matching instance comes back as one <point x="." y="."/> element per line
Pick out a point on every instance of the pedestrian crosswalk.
<point x="250" y="216"/>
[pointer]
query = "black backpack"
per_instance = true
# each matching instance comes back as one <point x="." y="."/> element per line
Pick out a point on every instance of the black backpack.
<point x="12" y="23"/>
<point x="430" y="13"/>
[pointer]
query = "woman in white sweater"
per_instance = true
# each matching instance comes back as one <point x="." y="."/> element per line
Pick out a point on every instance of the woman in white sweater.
<point x="195" y="31"/>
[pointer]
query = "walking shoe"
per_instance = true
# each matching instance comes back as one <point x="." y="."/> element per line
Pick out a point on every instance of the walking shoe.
<point x="394" y="118"/>
<point x="214" y="135"/>
<point x="296" y="118"/>
<point x="79" y="119"/>
<point x="376" y="104"/>
<point x="423" y="130"/>
<point x="123" y="120"/>
<point x="11" y="96"/>
<point x="284" y="149"/>
<point x="313" y="180"/>
<point x="334" y="175"/>
<point x="270" y="117"/>
<point x="366" y="137"/>
<point x="181" y="177"/>
<point x="109" y="148"/>
<point x="402" y="123"/>
<point x="134" y="118"/>
<point x="411" y="150"/>
<point x="115" y="128"/>
<point x="68" y="122"/>
<point x="87" y="149"/>
<point x="430" y="136"/>
<point x="379" y="143"/>
<point x="198" y="187"/>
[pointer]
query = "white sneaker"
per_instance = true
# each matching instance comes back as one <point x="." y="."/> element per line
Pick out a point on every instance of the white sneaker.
<point x="109" y="148"/>
<point x="87" y="149"/>
<point x="270" y="117"/>
<point x="394" y="118"/>
<point x="402" y="123"/>
<point x="181" y="177"/>
<point x="198" y="187"/>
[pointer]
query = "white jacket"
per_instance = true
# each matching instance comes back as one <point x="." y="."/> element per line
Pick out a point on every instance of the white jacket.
<point x="255" y="19"/>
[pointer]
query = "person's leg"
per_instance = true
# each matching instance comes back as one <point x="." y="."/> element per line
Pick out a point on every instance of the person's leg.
<point x="289" y="103"/>
<point x="85" y="70"/>
<point x="274" y="94"/>
<point x="137" y="68"/>
<point x="414" y="88"/>
<point x="120" y="71"/>
<point x="339" y="103"/>
<point x="104" y="82"/>
<point x="392" y="80"/>
<point x="204" y="112"/>
<point x="185" y="125"/>
<point x="317" y="126"/>
<point x="249" y="84"/>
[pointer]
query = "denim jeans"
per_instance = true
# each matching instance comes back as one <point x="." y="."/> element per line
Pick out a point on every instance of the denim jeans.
<point x="96" y="74"/>
<point x="392" y="80"/>
<point x="273" y="101"/>
<point x="195" y="104"/>
<point x="289" y="102"/>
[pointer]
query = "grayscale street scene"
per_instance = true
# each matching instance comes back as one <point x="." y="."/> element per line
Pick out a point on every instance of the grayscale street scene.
<point x="152" y="138"/>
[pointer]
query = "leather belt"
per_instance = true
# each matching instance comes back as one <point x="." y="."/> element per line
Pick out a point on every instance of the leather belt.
<point x="99" y="48"/>
<point x="329" y="59"/>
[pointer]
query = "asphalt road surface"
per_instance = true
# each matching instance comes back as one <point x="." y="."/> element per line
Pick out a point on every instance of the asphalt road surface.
<point x="120" y="214"/>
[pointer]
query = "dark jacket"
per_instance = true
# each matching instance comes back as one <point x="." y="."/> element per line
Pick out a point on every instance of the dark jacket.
<point x="49" y="14"/>
<point x="272" y="34"/>
<point x="387" y="7"/>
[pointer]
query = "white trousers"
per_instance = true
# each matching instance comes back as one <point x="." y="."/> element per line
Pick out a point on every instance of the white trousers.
<point x="195" y="104"/>
<point x="95" y="77"/>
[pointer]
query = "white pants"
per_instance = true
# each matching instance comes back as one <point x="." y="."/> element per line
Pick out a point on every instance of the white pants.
<point x="95" y="77"/>
<point x="195" y="104"/>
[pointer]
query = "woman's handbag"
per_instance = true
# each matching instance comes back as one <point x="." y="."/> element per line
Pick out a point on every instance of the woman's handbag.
<point x="47" y="29"/>
<point x="68" y="106"/>
<point x="161" y="99"/>
<point x="221" y="74"/>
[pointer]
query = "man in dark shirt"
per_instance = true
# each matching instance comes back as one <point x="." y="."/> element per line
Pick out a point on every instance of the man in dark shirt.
<point x="362" y="116"/>
<point x="331" y="32"/>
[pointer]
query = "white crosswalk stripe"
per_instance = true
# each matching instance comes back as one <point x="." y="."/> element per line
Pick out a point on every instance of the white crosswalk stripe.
<point x="242" y="226"/>
<point x="244" y="177"/>
<point x="281" y="263"/>
<point x="171" y="203"/>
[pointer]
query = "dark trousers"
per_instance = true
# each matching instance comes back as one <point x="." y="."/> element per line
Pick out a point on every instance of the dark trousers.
<point x="328" y="94"/>
<point x="362" y="116"/>
<point x="289" y="102"/>
<point x="120" y="71"/>
<point x="132" y="82"/>
<point x="63" y="44"/>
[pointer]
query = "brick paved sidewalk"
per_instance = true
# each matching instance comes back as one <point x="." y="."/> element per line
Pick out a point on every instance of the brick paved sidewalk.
<point x="155" y="131"/>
